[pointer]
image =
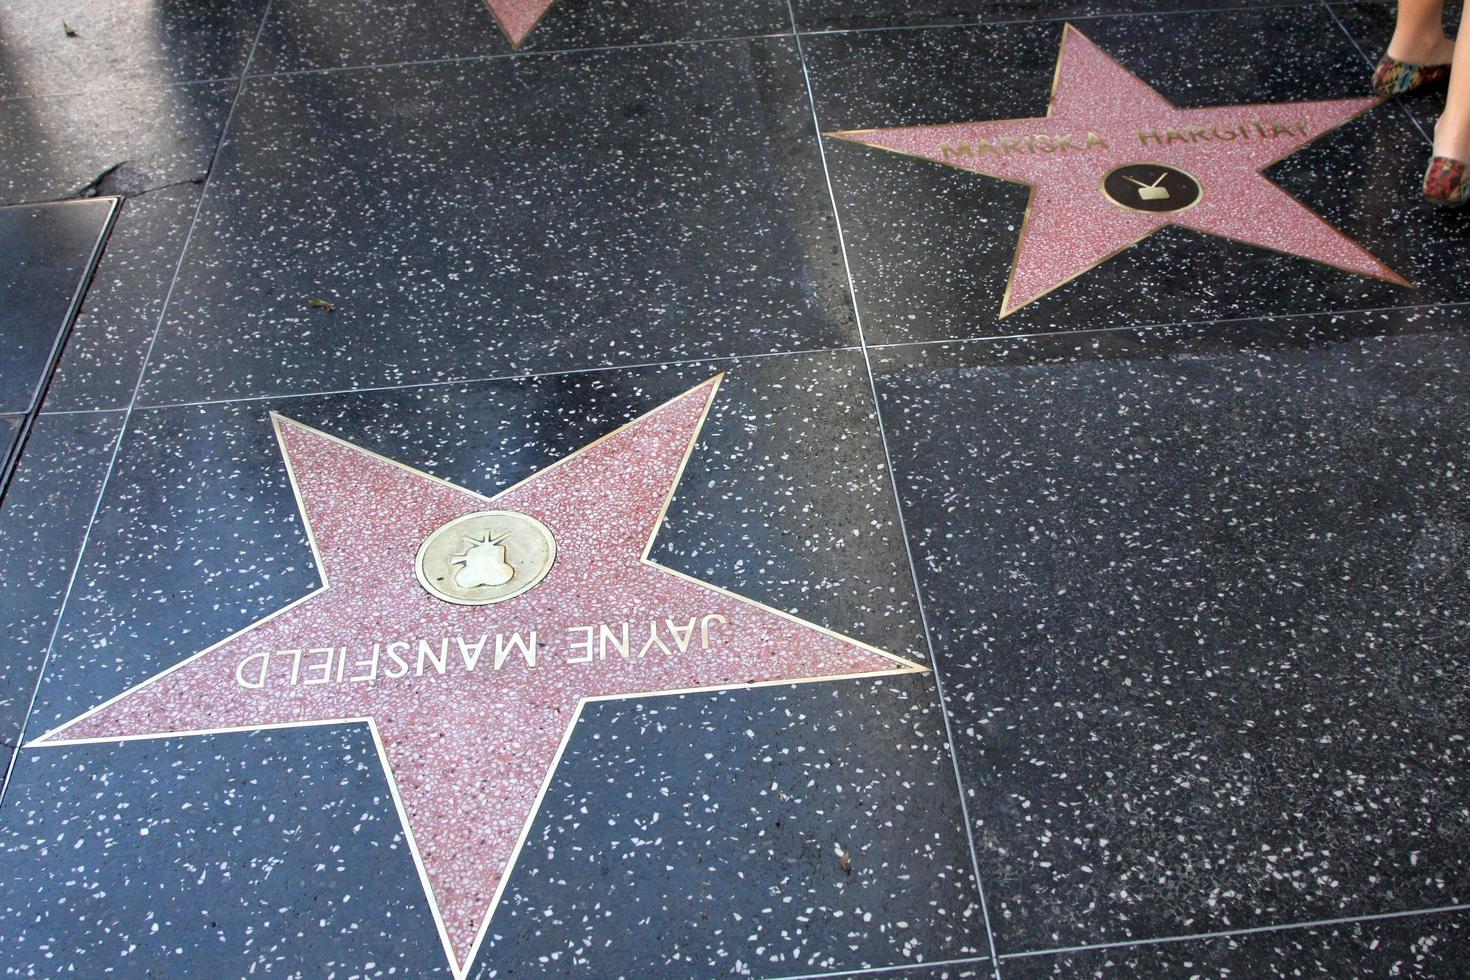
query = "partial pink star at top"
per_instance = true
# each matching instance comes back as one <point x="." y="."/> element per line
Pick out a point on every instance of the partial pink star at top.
<point x="517" y="18"/>
<point x="468" y="750"/>
<point x="1071" y="226"/>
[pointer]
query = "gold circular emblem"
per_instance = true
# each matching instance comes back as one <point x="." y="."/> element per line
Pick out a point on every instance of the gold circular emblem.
<point x="486" y="557"/>
<point x="1156" y="188"/>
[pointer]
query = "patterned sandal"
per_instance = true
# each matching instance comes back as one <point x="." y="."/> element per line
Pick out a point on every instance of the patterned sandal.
<point x="1447" y="182"/>
<point x="1393" y="77"/>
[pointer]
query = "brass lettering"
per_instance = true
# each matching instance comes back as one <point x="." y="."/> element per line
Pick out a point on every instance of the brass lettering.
<point x="265" y="661"/>
<point x="653" y="638"/>
<point x="423" y="656"/>
<point x="471" y="661"/>
<point x="682" y="641"/>
<point x="583" y="644"/>
<point x="325" y="666"/>
<point x="704" y="625"/>
<point x="371" y="664"/>
<point x="440" y="662"/>
<point x="605" y="634"/>
<point x="295" y="665"/>
<point x="393" y="655"/>
<point x="504" y="648"/>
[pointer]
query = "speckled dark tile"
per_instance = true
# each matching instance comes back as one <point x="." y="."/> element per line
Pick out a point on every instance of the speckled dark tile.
<point x="122" y="43"/>
<point x="57" y="145"/>
<point x="680" y="213"/>
<point x="1371" y="26"/>
<point x="699" y="835"/>
<point x="231" y="855"/>
<point x="46" y="254"/>
<point x="1198" y="600"/>
<point x="110" y="337"/>
<point x="1426" y="947"/>
<point x="680" y="835"/>
<point x="932" y="246"/>
<point x="665" y="847"/>
<point x="301" y="34"/>
<point x="42" y="522"/>
<point x="820" y="15"/>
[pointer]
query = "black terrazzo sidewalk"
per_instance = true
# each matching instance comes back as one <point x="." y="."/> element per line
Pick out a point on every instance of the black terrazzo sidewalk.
<point x="1185" y="541"/>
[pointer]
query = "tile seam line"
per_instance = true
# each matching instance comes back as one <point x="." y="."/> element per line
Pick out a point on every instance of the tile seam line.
<point x="491" y="378"/>
<point x="32" y="415"/>
<point x="501" y="55"/>
<point x="1403" y="109"/>
<point x="818" y="32"/>
<point x="1162" y="325"/>
<point x="1248" y="931"/>
<point x="1060" y="19"/>
<point x="122" y="432"/>
<point x="83" y="411"/>
<point x="897" y="498"/>
<point x="1298" y="926"/>
<point x="1154" y="941"/>
<point x="869" y="971"/>
<point x="106" y="89"/>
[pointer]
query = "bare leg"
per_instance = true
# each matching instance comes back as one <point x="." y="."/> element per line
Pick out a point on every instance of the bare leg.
<point x="1418" y="34"/>
<point x="1452" y="132"/>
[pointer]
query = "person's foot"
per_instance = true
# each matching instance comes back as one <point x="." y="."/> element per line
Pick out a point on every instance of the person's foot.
<point x="1452" y="134"/>
<point x="1413" y="62"/>
<point x="1447" y="181"/>
<point x="1428" y="50"/>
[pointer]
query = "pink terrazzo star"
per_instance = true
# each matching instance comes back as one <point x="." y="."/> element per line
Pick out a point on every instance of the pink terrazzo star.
<point x="1103" y="117"/>
<point x="473" y="725"/>
<point x="517" y="18"/>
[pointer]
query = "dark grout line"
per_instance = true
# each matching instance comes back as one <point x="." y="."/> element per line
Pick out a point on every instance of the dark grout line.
<point x="1249" y="931"/>
<point x="42" y="387"/>
<point x="149" y="87"/>
<point x="483" y="379"/>
<point x="55" y="412"/>
<point x="1153" y="941"/>
<point x="1370" y="62"/>
<point x="81" y="552"/>
<point x="902" y="527"/>
<point x="1168" y="325"/>
<point x="500" y="55"/>
<point x="981" y="21"/>
<point x="878" y="971"/>
<point x="1155" y="326"/>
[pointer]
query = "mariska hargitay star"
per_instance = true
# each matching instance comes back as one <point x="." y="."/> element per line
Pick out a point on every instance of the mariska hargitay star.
<point x="1112" y="162"/>
<point x="470" y="678"/>
<point x="517" y="18"/>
